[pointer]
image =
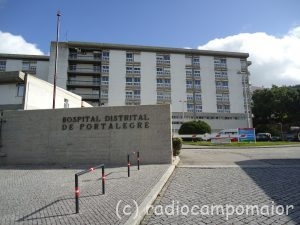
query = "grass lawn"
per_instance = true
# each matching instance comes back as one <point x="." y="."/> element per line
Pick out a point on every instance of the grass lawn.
<point x="241" y="144"/>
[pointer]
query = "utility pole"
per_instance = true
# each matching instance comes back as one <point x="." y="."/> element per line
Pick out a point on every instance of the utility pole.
<point x="56" y="56"/>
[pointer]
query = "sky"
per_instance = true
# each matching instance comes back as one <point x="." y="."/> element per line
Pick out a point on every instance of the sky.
<point x="269" y="30"/>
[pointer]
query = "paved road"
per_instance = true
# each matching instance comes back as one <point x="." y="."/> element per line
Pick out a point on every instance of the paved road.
<point x="239" y="178"/>
<point x="241" y="157"/>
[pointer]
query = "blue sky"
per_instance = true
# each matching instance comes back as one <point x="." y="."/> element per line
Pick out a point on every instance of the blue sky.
<point x="173" y="23"/>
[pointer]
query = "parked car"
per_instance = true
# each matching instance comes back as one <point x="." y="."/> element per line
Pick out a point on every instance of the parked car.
<point x="263" y="137"/>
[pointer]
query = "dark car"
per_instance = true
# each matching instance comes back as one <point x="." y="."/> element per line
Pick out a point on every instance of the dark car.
<point x="263" y="137"/>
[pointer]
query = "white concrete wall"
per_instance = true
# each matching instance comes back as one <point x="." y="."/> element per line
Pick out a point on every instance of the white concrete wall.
<point x="13" y="65"/>
<point x="178" y="86"/>
<point x="148" y="78"/>
<point x="8" y="94"/>
<point x="62" y="65"/>
<point x="235" y="86"/>
<point x="39" y="95"/>
<point x="117" y="74"/>
<point x="208" y="84"/>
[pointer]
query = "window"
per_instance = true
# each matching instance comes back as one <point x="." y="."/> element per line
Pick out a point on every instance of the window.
<point x="128" y="80"/>
<point x="72" y="67"/>
<point x="104" y="80"/>
<point x="20" y="90"/>
<point x="129" y="69"/>
<point x="137" y="70"/>
<point x="163" y="59"/>
<point x="97" y="55"/>
<point x="197" y="84"/>
<point x="188" y="72"/>
<point x="189" y="97"/>
<point x="66" y="103"/>
<point x="137" y="81"/>
<point x="196" y="61"/>
<point x="129" y="94"/>
<point x="105" y="55"/>
<point x="220" y="63"/>
<point x="189" y="84"/>
<point x="137" y="94"/>
<point x="159" y="82"/>
<point x="29" y="66"/>
<point x="222" y="97"/>
<point x="2" y="65"/>
<point x="197" y="73"/>
<point x="198" y="97"/>
<point x="198" y="108"/>
<point x="159" y="71"/>
<point x="104" y="93"/>
<point x="129" y="57"/>
<point x="222" y="84"/>
<point x="167" y="82"/>
<point x="190" y="107"/>
<point x="96" y="68"/>
<point x="221" y="74"/>
<point x="105" y="69"/>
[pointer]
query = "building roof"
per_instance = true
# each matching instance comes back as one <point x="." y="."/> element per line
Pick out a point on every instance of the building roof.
<point x="21" y="57"/>
<point x="92" y="45"/>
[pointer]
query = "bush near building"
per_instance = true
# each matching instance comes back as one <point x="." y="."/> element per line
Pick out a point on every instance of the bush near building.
<point x="194" y="127"/>
<point x="177" y="144"/>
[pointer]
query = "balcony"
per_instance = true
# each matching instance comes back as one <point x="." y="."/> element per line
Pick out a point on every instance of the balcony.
<point x="87" y="58"/>
<point x="221" y="78"/>
<point x="83" y="83"/>
<point x="220" y="66"/>
<point x="163" y="74"/>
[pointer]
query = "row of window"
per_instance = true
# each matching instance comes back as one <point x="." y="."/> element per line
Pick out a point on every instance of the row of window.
<point x="27" y="65"/>
<point x="211" y="117"/>
<point x="83" y="54"/>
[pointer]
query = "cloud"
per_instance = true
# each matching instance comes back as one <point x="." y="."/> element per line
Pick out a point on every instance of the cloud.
<point x="14" y="44"/>
<point x="275" y="60"/>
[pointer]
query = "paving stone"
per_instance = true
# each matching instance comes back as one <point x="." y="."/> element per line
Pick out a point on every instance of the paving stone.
<point x="232" y="186"/>
<point x="46" y="196"/>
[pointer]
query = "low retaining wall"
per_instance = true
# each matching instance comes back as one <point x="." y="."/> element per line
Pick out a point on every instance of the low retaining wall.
<point x="87" y="135"/>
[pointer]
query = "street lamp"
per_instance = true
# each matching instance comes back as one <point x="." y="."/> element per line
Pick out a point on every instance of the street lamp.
<point x="281" y="132"/>
<point x="183" y="101"/>
<point x="245" y="90"/>
<point x="56" y="56"/>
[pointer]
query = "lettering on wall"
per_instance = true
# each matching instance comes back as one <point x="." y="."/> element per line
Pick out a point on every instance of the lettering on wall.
<point x="107" y="122"/>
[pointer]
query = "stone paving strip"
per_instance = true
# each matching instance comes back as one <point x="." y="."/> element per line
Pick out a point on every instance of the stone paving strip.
<point x="202" y="187"/>
<point x="47" y="196"/>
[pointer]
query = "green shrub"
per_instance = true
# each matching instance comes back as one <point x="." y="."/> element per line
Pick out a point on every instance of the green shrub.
<point x="194" y="127"/>
<point x="177" y="144"/>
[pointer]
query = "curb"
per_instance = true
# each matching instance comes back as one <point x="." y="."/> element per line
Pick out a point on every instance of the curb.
<point x="236" y="147"/>
<point x="137" y="217"/>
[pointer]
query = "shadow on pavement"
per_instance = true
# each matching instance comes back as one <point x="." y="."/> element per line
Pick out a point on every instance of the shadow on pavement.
<point x="280" y="180"/>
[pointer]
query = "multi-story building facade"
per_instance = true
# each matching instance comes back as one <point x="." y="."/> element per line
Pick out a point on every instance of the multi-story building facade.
<point x="199" y="84"/>
<point x="37" y="65"/>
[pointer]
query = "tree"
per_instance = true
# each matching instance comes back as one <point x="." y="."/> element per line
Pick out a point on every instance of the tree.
<point x="277" y="105"/>
<point x="194" y="127"/>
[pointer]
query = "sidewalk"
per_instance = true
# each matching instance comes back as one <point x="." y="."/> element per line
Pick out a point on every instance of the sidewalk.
<point x="46" y="196"/>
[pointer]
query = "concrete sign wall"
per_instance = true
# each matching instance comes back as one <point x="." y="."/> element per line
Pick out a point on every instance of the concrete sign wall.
<point x="87" y="135"/>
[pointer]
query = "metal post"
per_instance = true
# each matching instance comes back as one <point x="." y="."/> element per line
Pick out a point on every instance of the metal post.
<point x="56" y="56"/>
<point x="138" y="160"/>
<point x="76" y="193"/>
<point x="128" y="165"/>
<point x="1" y="122"/>
<point x="103" y="180"/>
